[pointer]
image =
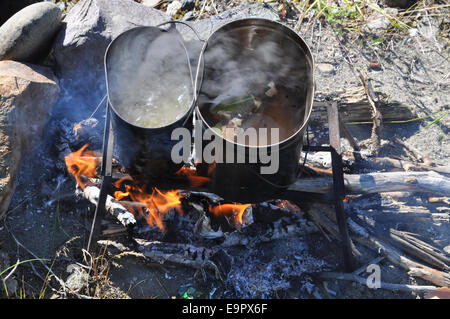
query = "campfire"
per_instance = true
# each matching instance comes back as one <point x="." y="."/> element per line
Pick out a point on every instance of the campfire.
<point x="184" y="210"/>
<point x="140" y="199"/>
<point x="175" y="225"/>
<point x="213" y="164"/>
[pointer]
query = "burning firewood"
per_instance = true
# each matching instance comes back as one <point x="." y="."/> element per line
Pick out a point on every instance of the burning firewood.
<point x="92" y="194"/>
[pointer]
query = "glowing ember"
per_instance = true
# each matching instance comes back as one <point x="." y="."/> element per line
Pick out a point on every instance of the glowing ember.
<point x="289" y="206"/>
<point x="231" y="210"/>
<point x="82" y="165"/>
<point x="76" y="128"/>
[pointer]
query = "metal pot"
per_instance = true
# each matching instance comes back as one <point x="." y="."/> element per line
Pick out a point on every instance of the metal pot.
<point x="144" y="151"/>
<point x="253" y="52"/>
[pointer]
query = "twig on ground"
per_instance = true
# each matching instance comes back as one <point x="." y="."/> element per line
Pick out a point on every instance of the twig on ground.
<point x="349" y="137"/>
<point x="382" y="285"/>
<point x="414" y="152"/>
<point x="376" y="115"/>
<point x="414" y="268"/>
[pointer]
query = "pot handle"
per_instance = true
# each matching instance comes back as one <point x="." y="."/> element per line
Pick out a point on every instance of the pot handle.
<point x="195" y="81"/>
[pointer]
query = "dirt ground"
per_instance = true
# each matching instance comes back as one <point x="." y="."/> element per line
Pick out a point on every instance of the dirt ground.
<point x="46" y="220"/>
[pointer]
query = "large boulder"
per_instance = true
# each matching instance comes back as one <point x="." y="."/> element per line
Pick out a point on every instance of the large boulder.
<point x="27" y="94"/>
<point x="89" y="28"/>
<point x="28" y="35"/>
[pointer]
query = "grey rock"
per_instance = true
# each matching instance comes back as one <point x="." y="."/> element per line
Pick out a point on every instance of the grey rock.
<point x="27" y="94"/>
<point x="27" y="36"/>
<point x="78" y="279"/>
<point x="151" y="3"/>
<point x="256" y="10"/>
<point x="81" y="45"/>
<point x="376" y="22"/>
<point x="447" y="249"/>
<point x="379" y="21"/>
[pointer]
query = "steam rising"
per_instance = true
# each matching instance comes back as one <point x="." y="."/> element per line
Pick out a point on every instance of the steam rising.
<point x="148" y="77"/>
<point x="246" y="61"/>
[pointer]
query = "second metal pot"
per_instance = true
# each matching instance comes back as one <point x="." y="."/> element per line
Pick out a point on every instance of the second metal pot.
<point x="253" y="52"/>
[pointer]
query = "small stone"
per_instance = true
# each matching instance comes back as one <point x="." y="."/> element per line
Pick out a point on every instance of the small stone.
<point x="374" y="65"/>
<point x="78" y="280"/>
<point x="413" y="32"/>
<point x="377" y="22"/>
<point x="325" y="68"/>
<point x="27" y="36"/>
<point x="173" y="7"/>
<point x="151" y="3"/>
<point x="447" y="249"/>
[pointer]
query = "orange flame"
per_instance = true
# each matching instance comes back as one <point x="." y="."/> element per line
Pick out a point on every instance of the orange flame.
<point x="82" y="164"/>
<point x="231" y="210"/>
<point x="157" y="203"/>
<point x="194" y="180"/>
<point x="152" y="206"/>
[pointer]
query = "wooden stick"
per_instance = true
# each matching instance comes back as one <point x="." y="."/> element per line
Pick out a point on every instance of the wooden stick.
<point x="383" y="285"/>
<point x="437" y="277"/>
<point x="432" y="255"/>
<point x="364" y="237"/>
<point x="427" y="182"/>
<point x="92" y="194"/>
<point x="326" y="219"/>
<point x="417" y="252"/>
<point x="413" y="151"/>
<point x="391" y="164"/>
<point x="377" y="118"/>
<point x="354" y="106"/>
